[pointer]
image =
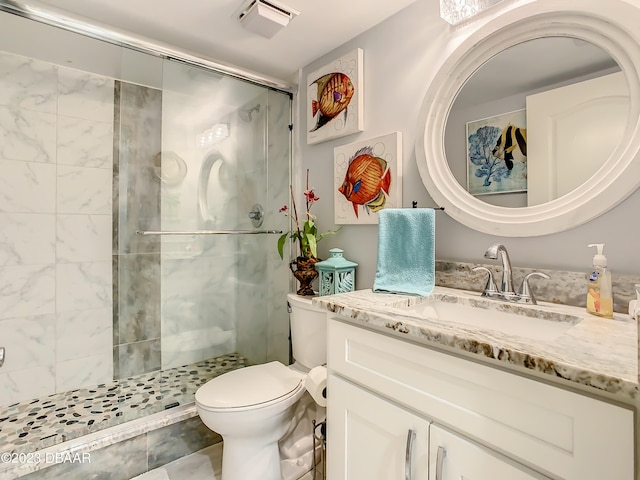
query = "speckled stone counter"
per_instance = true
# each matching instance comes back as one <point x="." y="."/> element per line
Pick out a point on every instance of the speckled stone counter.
<point x="598" y="353"/>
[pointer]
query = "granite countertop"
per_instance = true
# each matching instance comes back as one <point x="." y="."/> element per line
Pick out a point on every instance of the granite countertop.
<point x="594" y="352"/>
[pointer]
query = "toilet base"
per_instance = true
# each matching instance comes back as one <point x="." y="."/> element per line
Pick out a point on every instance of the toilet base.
<point x="241" y="460"/>
<point x="287" y="456"/>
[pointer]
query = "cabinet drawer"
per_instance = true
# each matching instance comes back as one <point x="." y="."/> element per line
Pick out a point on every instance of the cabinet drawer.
<point x="550" y="429"/>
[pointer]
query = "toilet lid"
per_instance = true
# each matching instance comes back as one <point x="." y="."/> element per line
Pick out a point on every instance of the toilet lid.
<point x="248" y="386"/>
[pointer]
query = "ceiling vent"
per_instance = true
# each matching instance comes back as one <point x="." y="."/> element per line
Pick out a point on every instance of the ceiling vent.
<point x="266" y="17"/>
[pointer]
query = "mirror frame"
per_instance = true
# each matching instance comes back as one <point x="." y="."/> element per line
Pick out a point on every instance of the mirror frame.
<point x="611" y="25"/>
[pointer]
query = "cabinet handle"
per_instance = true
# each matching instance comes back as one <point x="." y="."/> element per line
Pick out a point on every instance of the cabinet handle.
<point x="411" y="435"/>
<point x="439" y="461"/>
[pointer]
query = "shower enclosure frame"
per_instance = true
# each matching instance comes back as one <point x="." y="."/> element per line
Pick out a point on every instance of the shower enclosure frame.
<point x="51" y="17"/>
<point x="144" y="426"/>
<point x="54" y="18"/>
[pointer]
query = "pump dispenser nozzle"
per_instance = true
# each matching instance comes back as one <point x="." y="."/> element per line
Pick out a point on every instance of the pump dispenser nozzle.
<point x="599" y="260"/>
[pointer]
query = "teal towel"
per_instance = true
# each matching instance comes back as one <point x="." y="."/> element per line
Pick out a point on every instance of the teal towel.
<point x="406" y="251"/>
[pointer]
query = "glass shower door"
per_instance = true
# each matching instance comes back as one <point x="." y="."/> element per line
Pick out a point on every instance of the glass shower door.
<point x="224" y="160"/>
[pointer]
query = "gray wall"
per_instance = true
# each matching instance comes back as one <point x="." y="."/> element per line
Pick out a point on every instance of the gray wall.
<point x="400" y="57"/>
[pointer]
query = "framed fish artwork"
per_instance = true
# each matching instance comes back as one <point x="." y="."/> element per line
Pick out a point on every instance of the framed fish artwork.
<point x="367" y="178"/>
<point x="335" y="99"/>
<point x="497" y="154"/>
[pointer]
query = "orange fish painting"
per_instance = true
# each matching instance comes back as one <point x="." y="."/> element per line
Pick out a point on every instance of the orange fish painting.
<point x="367" y="181"/>
<point x="335" y="91"/>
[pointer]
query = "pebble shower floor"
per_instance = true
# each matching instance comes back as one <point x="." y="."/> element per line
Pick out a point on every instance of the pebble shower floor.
<point x="32" y="425"/>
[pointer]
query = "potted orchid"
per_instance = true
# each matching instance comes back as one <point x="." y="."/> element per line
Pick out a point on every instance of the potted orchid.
<point x="307" y="237"/>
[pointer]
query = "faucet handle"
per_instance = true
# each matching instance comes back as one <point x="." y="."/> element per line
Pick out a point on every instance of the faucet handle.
<point x="490" y="289"/>
<point x="525" y="294"/>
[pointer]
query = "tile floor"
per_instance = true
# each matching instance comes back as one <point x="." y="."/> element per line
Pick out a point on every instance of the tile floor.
<point x="203" y="465"/>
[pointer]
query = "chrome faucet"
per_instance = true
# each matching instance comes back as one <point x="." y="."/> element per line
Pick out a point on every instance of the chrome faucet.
<point x="506" y="286"/>
<point x="506" y="291"/>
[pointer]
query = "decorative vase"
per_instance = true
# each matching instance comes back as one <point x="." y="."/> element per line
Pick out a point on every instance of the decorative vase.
<point x="305" y="273"/>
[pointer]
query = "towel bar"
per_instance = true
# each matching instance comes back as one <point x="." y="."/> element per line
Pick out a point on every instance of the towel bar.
<point x="208" y="232"/>
<point x="414" y="204"/>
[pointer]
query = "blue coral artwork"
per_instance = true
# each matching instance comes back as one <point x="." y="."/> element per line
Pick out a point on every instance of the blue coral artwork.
<point x="497" y="154"/>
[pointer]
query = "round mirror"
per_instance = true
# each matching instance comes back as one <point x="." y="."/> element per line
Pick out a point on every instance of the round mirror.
<point x="530" y="126"/>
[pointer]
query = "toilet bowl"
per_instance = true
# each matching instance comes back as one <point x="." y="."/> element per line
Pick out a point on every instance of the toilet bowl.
<point x="253" y="408"/>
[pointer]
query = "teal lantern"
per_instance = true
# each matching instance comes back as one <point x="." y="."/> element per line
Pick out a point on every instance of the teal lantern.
<point x="337" y="274"/>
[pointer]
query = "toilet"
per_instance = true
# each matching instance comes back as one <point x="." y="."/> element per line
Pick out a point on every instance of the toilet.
<point x="253" y="408"/>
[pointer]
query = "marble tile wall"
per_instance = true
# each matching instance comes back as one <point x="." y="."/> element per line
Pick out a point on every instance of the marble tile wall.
<point x="136" y="259"/>
<point x="56" y="130"/>
<point x="278" y="151"/>
<point x="262" y="277"/>
<point x="252" y="263"/>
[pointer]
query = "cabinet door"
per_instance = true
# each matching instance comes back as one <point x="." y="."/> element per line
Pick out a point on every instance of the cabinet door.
<point x="453" y="458"/>
<point x="369" y="438"/>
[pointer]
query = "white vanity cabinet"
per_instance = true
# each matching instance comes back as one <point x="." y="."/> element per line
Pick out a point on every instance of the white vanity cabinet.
<point x="381" y="387"/>
<point x="375" y="439"/>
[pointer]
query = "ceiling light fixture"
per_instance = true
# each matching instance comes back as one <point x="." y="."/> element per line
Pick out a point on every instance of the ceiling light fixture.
<point x="456" y="11"/>
<point x="266" y="17"/>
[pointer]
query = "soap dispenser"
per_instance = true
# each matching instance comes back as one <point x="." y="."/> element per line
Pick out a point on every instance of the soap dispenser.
<point x="599" y="293"/>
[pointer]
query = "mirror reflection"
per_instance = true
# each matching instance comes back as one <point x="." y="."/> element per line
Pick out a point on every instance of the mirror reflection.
<point x="536" y="121"/>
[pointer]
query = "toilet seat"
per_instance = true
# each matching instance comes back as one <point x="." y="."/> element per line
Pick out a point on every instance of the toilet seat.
<point x="250" y="388"/>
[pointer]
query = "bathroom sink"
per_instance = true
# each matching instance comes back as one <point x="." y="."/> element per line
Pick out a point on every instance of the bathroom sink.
<point x="496" y="317"/>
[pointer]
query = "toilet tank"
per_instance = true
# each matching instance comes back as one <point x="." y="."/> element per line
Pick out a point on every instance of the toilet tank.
<point x="308" y="331"/>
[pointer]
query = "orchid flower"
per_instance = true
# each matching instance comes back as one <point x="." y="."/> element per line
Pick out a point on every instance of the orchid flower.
<point x="307" y="236"/>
